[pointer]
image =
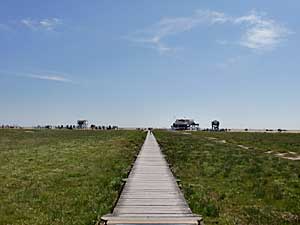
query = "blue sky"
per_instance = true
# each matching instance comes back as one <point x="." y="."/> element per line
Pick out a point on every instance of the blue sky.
<point x="144" y="63"/>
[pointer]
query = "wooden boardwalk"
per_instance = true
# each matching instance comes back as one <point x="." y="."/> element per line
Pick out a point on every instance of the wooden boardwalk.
<point x="151" y="194"/>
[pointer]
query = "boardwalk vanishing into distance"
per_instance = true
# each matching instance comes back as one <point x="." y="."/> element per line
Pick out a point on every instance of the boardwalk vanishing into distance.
<point x="151" y="194"/>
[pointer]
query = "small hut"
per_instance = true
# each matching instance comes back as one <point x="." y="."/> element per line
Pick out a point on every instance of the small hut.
<point x="215" y="125"/>
<point x="82" y="124"/>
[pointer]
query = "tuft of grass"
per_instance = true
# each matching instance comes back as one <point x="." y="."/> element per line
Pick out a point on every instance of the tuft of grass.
<point x="230" y="185"/>
<point x="61" y="176"/>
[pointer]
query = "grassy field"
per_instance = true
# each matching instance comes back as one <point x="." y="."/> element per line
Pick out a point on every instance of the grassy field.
<point x="230" y="185"/>
<point x="62" y="177"/>
<point x="277" y="142"/>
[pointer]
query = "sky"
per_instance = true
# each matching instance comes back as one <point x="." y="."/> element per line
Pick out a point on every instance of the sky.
<point x="144" y="63"/>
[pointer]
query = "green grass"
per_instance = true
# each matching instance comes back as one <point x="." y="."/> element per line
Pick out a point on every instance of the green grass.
<point x="230" y="185"/>
<point x="277" y="142"/>
<point x="61" y="176"/>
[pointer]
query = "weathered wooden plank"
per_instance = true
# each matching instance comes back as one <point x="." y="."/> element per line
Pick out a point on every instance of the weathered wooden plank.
<point x="149" y="210"/>
<point x="159" y="215"/>
<point x="146" y="196"/>
<point x="149" y="201"/>
<point x="153" y="219"/>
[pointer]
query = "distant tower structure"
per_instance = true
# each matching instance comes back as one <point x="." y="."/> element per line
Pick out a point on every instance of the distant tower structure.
<point x="215" y="125"/>
<point x="82" y="124"/>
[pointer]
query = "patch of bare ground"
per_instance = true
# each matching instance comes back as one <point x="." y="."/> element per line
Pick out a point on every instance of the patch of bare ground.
<point x="290" y="156"/>
<point x="217" y="140"/>
<point x="243" y="147"/>
<point x="222" y="141"/>
<point x="287" y="216"/>
<point x="29" y="131"/>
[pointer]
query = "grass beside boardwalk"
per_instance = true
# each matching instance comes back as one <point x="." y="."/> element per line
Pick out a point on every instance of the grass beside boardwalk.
<point x="276" y="142"/>
<point x="61" y="176"/>
<point x="230" y="185"/>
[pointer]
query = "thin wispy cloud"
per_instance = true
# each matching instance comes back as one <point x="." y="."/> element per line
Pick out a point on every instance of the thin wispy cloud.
<point x="46" y="76"/>
<point x="56" y="78"/>
<point x="258" y="32"/>
<point x="261" y="33"/>
<point x="40" y="75"/>
<point x="154" y="36"/>
<point x="48" y="24"/>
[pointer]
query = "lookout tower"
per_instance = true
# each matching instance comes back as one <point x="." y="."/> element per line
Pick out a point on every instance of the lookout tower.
<point x="215" y="125"/>
<point x="82" y="124"/>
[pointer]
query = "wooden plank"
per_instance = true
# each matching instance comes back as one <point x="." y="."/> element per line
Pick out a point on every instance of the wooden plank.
<point x="167" y="219"/>
<point x="149" y="201"/>
<point x="150" y="210"/>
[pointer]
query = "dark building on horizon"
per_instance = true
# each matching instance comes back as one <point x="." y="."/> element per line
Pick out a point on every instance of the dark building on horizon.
<point x="82" y="124"/>
<point x="185" y="124"/>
